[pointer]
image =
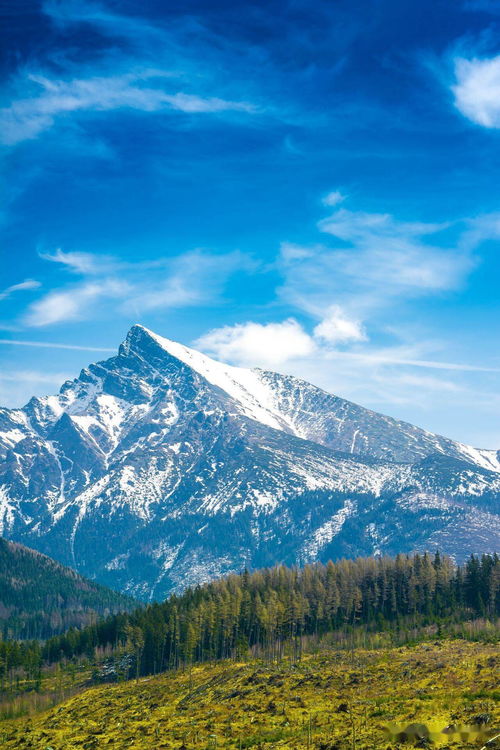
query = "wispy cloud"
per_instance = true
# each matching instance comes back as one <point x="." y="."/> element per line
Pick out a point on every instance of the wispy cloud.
<point x="477" y="90"/>
<point x="392" y="253"/>
<point x="194" y="278"/>
<point x="143" y="91"/>
<point x="26" y="285"/>
<point x="64" y="13"/>
<point x="75" y="303"/>
<point x="144" y="67"/>
<point x="55" y="345"/>
<point x="391" y="359"/>
<point x="82" y="263"/>
<point x="375" y="262"/>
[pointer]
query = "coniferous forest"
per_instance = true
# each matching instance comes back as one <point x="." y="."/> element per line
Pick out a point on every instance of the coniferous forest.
<point x="39" y="597"/>
<point x="265" y="610"/>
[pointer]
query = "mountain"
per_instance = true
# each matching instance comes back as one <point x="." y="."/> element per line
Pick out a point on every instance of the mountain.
<point x="159" y="468"/>
<point x="39" y="597"/>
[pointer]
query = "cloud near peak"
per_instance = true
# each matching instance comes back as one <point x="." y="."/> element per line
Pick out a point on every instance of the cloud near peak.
<point x="193" y="278"/>
<point x="337" y="328"/>
<point x="258" y="344"/>
<point x="274" y="344"/>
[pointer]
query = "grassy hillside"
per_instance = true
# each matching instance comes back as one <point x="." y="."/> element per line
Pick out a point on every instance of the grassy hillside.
<point x="332" y="700"/>
<point x="39" y="597"/>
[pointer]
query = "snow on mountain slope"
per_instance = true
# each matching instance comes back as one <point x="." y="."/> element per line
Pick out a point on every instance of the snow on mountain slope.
<point x="293" y="405"/>
<point x="160" y="466"/>
<point x="344" y="426"/>
<point x="245" y="386"/>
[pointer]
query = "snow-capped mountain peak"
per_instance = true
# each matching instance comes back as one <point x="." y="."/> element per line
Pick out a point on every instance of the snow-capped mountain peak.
<point x="242" y="384"/>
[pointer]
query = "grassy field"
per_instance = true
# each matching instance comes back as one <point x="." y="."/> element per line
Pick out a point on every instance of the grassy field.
<point x="333" y="700"/>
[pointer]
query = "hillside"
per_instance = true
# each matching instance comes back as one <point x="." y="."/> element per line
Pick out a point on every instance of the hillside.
<point x="160" y="468"/>
<point x="333" y="700"/>
<point x="39" y="597"/>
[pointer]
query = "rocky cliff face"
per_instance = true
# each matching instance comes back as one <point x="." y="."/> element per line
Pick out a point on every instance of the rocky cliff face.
<point x="160" y="468"/>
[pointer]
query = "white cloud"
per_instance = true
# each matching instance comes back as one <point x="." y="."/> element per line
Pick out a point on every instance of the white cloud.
<point x="193" y="278"/>
<point x="334" y="198"/>
<point x="82" y="263"/>
<point x="26" y="285"/>
<point x="380" y="261"/>
<point x="276" y="343"/>
<point x="257" y="344"/>
<point x="72" y="304"/>
<point x="477" y="90"/>
<point x="338" y="328"/>
<point x="27" y="118"/>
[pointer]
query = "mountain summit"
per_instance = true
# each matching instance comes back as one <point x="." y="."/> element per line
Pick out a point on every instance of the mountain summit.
<point x="160" y="467"/>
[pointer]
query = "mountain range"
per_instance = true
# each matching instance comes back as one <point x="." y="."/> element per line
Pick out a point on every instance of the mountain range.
<point x="161" y="468"/>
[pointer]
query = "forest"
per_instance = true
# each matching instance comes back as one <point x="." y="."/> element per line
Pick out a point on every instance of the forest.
<point x="275" y="614"/>
<point x="39" y="597"/>
<point x="269" y="608"/>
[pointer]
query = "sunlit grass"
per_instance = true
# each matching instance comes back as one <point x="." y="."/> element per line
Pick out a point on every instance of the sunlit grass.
<point x="331" y="700"/>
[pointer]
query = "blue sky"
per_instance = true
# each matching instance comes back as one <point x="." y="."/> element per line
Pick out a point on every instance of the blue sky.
<point x="310" y="187"/>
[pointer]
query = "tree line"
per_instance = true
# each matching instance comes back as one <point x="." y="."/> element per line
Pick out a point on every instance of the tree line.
<point x="276" y="606"/>
<point x="268" y="610"/>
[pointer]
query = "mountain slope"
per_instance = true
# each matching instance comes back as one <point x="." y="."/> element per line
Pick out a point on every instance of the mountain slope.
<point x="189" y="468"/>
<point x="39" y="597"/>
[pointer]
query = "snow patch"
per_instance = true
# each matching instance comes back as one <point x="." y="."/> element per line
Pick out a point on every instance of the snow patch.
<point x="7" y="512"/>
<point x="487" y="459"/>
<point x="119" y="562"/>
<point x="11" y="437"/>
<point x="325" y="533"/>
